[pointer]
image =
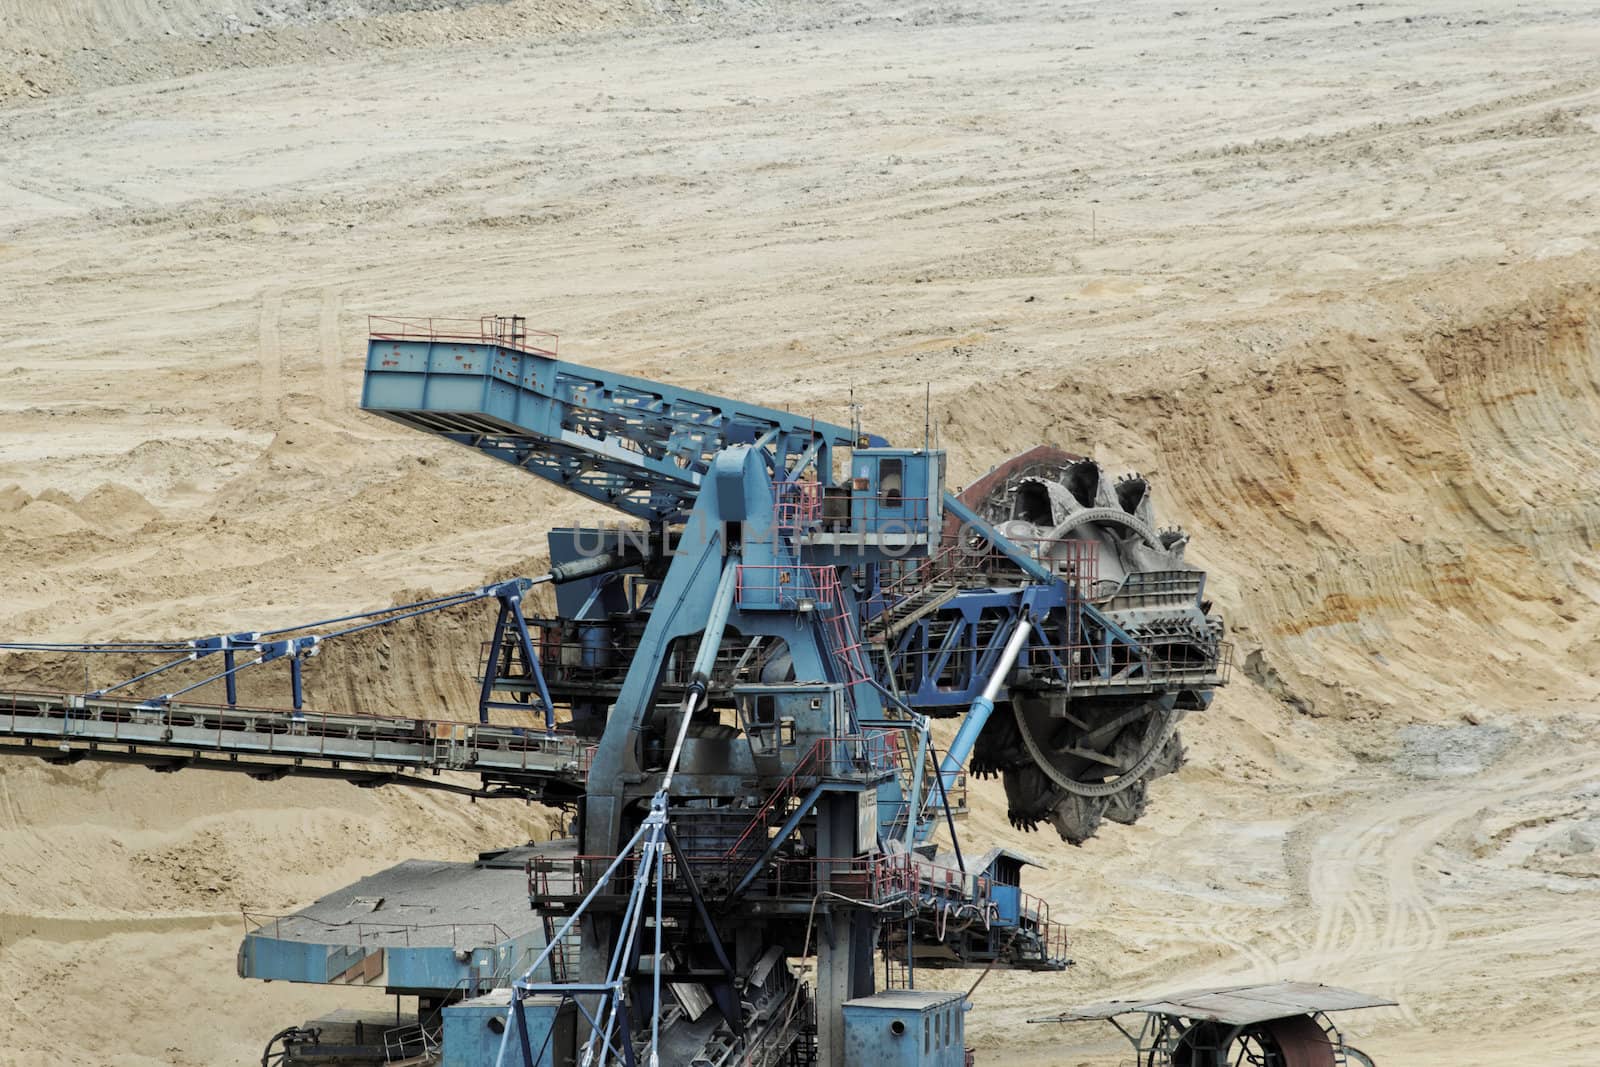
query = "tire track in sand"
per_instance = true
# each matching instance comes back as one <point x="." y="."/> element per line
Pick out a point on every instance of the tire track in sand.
<point x="1363" y="875"/>
<point x="331" y="388"/>
<point x="269" y="354"/>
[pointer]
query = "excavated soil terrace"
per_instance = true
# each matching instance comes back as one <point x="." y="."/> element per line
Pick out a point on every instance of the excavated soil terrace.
<point x="1327" y="275"/>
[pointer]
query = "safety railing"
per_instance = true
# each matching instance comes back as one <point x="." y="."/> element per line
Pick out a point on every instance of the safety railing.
<point x="852" y="756"/>
<point x="904" y="578"/>
<point x="419" y="935"/>
<point x="406" y="1043"/>
<point x="883" y="514"/>
<point x="942" y="896"/>
<point x="796" y="505"/>
<point x="1034" y="918"/>
<point x="933" y="891"/>
<point x="507" y="331"/>
<point x="587" y="653"/>
<point x="793" y="587"/>
<point x="864" y="756"/>
<point x="1050" y="937"/>
<point x="476" y="982"/>
<point x="565" y="952"/>
<point x="839" y="627"/>
<point x="934" y="802"/>
<point x="806" y="589"/>
<point x="935" y="884"/>
<point x="864" y="878"/>
<point x="956" y="797"/>
<point x="1157" y="664"/>
<point x="1074" y="561"/>
<point x="1085" y="664"/>
<point x="941" y="889"/>
<point x="1055" y="943"/>
<point x="960" y="562"/>
<point x="539" y="869"/>
<point x="580" y="652"/>
<point x="568" y="652"/>
<point x="566" y="949"/>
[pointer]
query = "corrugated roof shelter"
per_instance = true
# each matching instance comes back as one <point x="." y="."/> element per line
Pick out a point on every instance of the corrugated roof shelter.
<point x="1232" y="1005"/>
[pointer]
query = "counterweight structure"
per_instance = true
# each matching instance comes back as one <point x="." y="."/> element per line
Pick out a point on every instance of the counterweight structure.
<point x="733" y="699"/>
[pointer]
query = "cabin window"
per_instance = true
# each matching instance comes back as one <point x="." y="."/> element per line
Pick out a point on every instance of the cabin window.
<point x="891" y="481"/>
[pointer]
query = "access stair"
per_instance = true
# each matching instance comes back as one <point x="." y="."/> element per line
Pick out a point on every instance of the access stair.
<point x="924" y="587"/>
<point x="934" y="802"/>
<point x="836" y="762"/>
<point x="923" y="601"/>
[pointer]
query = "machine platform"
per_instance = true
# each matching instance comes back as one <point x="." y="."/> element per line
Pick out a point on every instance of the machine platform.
<point x="422" y="927"/>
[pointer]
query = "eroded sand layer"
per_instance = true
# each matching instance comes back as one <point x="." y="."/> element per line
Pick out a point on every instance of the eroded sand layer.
<point x="1327" y="275"/>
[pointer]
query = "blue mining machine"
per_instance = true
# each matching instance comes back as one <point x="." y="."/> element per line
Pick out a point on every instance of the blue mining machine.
<point x="732" y="701"/>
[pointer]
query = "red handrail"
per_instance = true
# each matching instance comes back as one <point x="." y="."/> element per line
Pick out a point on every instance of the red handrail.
<point x="507" y="331"/>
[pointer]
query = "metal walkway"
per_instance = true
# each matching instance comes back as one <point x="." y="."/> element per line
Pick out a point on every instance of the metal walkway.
<point x="368" y="750"/>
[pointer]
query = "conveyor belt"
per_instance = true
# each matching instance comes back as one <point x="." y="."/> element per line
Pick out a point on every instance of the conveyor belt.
<point x="269" y="743"/>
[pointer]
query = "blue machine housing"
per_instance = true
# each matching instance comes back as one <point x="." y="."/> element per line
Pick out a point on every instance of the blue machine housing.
<point x="473" y="1029"/>
<point x="905" y="1028"/>
<point x="896" y="490"/>
<point x="890" y="507"/>
<point x="420" y="926"/>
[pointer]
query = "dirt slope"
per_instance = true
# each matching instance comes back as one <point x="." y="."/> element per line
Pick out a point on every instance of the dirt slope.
<point x="71" y="46"/>
<point x="1327" y="275"/>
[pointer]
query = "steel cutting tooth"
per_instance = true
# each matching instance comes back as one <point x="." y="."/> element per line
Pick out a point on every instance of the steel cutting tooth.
<point x="1087" y="484"/>
<point x="1133" y="496"/>
<point x="1040" y="501"/>
<point x="1161" y="724"/>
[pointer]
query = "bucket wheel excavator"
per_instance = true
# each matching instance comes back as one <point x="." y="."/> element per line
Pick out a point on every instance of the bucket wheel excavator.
<point x="731" y="700"/>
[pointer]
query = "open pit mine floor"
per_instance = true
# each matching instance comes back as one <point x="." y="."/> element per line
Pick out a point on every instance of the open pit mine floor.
<point x="1326" y="274"/>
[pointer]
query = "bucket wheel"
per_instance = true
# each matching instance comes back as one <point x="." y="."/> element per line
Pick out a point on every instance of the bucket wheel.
<point x="1070" y="755"/>
<point x="1075" y="772"/>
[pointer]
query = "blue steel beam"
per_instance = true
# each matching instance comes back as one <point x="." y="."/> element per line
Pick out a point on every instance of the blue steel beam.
<point x="972" y="522"/>
<point x="633" y="444"/>
<point x="978" y="715"/>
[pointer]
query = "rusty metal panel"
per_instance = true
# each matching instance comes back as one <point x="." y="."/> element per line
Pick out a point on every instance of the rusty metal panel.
<point x="1301" y="1042"/>
<point x="1236" y="1005"/>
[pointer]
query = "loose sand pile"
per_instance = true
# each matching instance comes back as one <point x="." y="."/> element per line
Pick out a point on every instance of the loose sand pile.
<point x="1328" y="275"/>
